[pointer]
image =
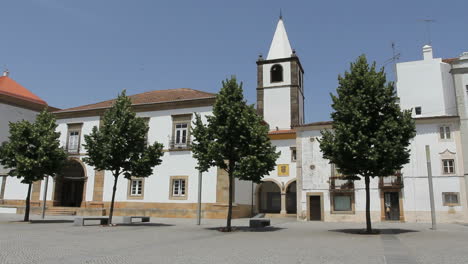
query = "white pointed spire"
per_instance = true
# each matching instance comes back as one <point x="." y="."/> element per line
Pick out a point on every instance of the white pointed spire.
<point x="280" y="47"/>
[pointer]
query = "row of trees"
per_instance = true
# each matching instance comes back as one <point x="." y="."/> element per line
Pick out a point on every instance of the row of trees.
<point x="235" y="139"/>
<point x="370" y="138"/>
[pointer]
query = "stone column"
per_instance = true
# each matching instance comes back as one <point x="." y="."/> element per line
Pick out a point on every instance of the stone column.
<point x="283" y="203"/>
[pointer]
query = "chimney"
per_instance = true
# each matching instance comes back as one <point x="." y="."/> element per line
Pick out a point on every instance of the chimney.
<point x="6" y="73"/>
<point x="427" y="52"/>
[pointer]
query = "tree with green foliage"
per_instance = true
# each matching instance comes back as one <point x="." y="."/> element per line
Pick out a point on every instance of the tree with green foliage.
<point x="235" y="139"/>
<point x="370" y="133"/>
<point x="33" y="152"/>
<point x="120" y="145"/>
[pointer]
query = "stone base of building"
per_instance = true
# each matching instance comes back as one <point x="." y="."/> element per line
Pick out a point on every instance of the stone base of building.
<point x="450" y="216"/>
<point x="169" y="210"/>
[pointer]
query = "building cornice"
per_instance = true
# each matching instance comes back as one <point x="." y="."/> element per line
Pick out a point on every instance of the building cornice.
<point x="27" y="104"/>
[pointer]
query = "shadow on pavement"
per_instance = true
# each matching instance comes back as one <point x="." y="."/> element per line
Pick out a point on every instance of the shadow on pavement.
<point x="384" y="231"/>
<point x="57" y="221"/>
<point x="246" y="229"/>
<point x="144" y="224"/>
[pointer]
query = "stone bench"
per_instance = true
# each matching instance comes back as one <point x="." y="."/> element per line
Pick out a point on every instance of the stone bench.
<point x="128" y="219"/>
<point x="80" y="221"/>
<point x="258" y="221"/>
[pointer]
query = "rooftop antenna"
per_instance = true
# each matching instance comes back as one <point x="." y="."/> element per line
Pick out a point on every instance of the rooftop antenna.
<point x="428" y="30"/>
<point x="395" y="56"/>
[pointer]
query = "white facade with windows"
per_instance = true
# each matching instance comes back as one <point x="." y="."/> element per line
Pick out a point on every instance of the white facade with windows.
<point x="302" y="183"/>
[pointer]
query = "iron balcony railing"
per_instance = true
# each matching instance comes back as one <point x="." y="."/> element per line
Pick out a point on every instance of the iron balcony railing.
<point x="392" y="181"/>
<point x="174" y="145"/>
<point x="341" y="184"/>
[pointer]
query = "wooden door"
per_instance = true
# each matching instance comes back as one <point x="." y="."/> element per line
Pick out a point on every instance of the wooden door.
<point x="315" y="208"/>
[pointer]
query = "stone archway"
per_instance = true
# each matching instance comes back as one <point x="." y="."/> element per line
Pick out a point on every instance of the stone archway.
<point x="70" y="185"/>
<point x="269" y="197"/>
<point x="291" y="198"/>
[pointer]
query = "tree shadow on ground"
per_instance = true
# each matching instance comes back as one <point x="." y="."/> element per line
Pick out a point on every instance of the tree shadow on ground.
<point x="55" y="221"/>
<point x="376" y="231"/>
<point x="143" y="224"/>
<point x="246" y="229"/>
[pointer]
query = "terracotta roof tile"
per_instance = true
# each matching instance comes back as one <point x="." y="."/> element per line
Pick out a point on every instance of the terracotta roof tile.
<point x="279" y="132"/>
<point x="11" y="88"/>
<point x="449" y="60"/>
<point x="322" y="123"/>
<point x="158" y="96"/>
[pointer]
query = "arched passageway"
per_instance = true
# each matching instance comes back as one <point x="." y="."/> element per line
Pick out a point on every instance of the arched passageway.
<point x="69" y="185"/>
<point x="269" y="198"/>
<point x="291" y="198"/>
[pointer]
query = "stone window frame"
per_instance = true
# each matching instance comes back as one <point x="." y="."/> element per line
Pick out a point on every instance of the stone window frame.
<point x="445" y="203"/>
<point x="280" y="67"/>
<point x="444" y="137"/>
<point x="131" y="196"/>
<point x="332" y="202"/>
<point x="448" y="155"/>
<point x="74" y="127"/>
<point x="172" y="179"/>
<point x="293" y="154"/>
<point x="448" y="166"/>
<point x="181" y="119"/>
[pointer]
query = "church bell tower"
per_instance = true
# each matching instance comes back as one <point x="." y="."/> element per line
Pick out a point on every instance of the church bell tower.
<point x="280" y="89"/>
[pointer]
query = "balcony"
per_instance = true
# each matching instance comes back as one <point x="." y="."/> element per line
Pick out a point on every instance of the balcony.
<point x="392" y="181"/>
<point x="174" y="145"/>
<point x="341" y="184"/>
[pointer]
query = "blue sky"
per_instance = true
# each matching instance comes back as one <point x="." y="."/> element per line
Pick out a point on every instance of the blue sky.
<point x="72" y="53"/>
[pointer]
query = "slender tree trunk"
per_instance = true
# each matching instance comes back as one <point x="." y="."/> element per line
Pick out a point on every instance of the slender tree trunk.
<point x="111" y="213"/>
<point x="28" y="204"/>
<point x="229" y="216"/>
<point x="368" y="217"/>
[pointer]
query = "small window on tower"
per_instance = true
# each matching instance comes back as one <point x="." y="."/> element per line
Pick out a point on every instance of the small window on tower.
<point x="417" y="110"/>
<point x="276" y="73"/>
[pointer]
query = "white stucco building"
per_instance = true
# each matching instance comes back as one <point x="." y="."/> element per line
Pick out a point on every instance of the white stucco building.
<point x="16" y="103"/>
<point x="303" y="184"/>
<point x="436" y="91"/>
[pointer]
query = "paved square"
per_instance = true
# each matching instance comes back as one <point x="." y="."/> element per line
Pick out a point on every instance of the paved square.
<point x="181" y="241"/>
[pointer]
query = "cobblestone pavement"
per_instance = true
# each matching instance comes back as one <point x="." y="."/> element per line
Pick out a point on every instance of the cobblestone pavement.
<point x="181" y="241"/>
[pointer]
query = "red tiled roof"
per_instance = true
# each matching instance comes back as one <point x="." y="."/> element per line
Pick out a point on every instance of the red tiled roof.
<point x="11" y="88"/>
<point x="279" y="132"/>
<point x="449" y="60"/>
<point x="322" y="123"/>
<point x="158" y="96"/>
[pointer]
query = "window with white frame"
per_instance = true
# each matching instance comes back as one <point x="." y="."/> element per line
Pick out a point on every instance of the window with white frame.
<point x="444" y="132"/>
<point x="136" y="187"/>
<point x="181" y="132"/>
<point x="73" y="141"/>
<point x="73" y="137"/>
<point x="450" y="198"/>
<point x="178" y="187"/>
<point x="448" y="166"/>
